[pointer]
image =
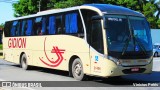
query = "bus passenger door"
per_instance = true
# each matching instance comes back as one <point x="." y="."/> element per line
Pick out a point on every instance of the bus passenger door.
<point x="96" y="47"/>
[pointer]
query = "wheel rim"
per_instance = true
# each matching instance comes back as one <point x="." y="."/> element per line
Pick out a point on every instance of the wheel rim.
<point x="78" y="69"/>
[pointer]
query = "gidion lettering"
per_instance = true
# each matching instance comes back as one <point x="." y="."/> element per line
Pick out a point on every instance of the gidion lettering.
<point x="17" y="43"/>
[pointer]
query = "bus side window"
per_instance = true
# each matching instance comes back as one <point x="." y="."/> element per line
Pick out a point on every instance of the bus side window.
<point x="96" y="36"/>
<point x="87" y="14"/>
<point x="71" y="25"/>
<point x="14" y="28"/>
<point x="24" y="27"/>
<point x="38" y="26"/>
<point x="29" y="27"/>
<point x="51" y="25"/>
<point x="43" y="32"/>
<point x="47" y="25"/>
<point x="60" y="29"/>
<point x="7" y="28"/>
<point x="80" y="27"/>
<point x="18" y="30"/>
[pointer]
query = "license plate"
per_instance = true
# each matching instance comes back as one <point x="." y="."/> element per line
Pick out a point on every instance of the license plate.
<point x="134" y="69"/>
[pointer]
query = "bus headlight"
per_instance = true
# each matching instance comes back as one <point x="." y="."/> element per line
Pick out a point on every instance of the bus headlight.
<point x="115" y="60"/>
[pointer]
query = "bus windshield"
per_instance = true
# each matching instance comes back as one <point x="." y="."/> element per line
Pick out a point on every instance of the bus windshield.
<point x="127" y="34"/>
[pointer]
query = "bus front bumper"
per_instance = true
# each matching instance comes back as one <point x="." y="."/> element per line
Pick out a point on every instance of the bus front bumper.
<point x="112" y="69"/>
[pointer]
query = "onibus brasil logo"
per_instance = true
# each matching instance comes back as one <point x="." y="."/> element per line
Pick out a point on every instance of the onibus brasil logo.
<point x="55" y="50"/>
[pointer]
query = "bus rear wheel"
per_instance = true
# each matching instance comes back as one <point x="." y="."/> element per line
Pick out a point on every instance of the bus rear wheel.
<point x="77" y="70"/>
<point x="23" y="62"/>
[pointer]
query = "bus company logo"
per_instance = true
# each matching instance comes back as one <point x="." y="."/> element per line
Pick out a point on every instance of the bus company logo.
<point x="17" y="43"/>
<point x="56" y="51"/>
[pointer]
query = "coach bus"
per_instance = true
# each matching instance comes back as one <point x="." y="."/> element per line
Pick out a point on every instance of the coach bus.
<point x="93" y="39"/>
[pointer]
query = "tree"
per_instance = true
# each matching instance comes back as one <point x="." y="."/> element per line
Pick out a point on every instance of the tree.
<point x="69" y="3"/>
<point x="26" y="7"/>
<point x="2" y="25"/>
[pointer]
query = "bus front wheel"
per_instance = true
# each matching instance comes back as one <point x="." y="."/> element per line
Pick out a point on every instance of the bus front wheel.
<point x="23" y="62"/>
<point x="77" y="70"/>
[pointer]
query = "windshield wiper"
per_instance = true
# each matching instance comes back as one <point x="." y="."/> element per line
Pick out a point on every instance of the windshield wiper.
<point x="140" y="45"/>
<point x="126" y="45"/>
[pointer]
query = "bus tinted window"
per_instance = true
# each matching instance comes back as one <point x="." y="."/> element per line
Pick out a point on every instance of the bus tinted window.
<point x="43" y="32"/>
<point x="8" y="26"/>
<point x="87" y="15"/>
<point x="71" y="23"/>
<point x="51" y="26"/>
<point x="24" y="27"/>
<point x="96" y="36"/>
<point x="37" y="26"/>
<point x="18" y="30"/>
<point x="14" y="28"/>
<point x="29" y="27"/>
<point x="59" y="24"/>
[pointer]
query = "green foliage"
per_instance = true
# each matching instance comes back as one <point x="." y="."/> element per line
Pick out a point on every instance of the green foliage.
<point x="69" y="3"/>
<point x="2" y="25"/>
<point x="147" y="7"/>
<point x="25" y="7"/>
<point x="158" y="22"/>
<point x="1" y="46"/>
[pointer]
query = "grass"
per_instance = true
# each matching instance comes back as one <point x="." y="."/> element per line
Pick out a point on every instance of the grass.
<point x="1" y="47"/>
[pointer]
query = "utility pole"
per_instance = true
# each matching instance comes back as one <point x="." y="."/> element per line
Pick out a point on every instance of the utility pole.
<point x="39" y="5"/>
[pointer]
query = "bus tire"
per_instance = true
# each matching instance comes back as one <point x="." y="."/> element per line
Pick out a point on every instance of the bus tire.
<point x="77" y="70"/>
<point x="23" y="62"/>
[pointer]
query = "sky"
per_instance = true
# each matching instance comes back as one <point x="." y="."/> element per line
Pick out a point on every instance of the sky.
<point x="6" y="12"/>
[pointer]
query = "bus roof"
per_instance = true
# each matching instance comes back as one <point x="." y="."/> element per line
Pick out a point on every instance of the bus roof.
<point x="104" y="8"/>
<point x="113" y="9"/>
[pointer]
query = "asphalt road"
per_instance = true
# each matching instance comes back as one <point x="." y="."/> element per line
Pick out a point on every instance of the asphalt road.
<point x="12" y="72"/>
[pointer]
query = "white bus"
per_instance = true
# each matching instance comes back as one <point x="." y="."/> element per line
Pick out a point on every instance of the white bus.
<point x="93" y="39"/>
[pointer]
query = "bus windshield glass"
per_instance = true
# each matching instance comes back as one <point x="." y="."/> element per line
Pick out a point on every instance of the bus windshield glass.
<point x="127" y="33"/>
